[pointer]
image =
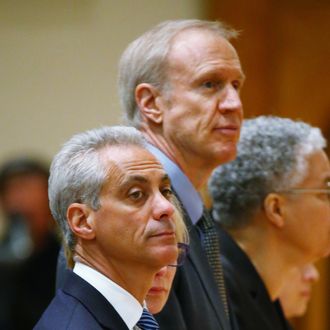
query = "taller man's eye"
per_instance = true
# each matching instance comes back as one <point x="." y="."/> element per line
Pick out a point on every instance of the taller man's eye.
<point x="236" y="84"/>
<point x="213" y="85"/>
<point x="210" y="84"/>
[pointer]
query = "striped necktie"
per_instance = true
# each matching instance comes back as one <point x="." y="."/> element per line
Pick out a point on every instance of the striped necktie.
<point x="210" y="241"/>
<point x="147" y="321"/>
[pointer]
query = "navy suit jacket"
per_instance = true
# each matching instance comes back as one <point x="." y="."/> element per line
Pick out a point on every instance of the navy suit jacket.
<point x="78" y="305"/>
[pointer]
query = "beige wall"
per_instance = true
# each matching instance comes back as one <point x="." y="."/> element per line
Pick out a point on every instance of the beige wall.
<point x="58" y="65"/>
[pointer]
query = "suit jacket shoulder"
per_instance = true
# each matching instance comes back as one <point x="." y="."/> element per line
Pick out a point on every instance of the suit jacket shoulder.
<point x="194" y="302"/>
<point x="78" y="305"/>
<point x="248" y="295"/>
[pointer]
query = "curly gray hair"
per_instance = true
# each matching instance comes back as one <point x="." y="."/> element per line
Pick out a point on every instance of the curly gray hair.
<point x="271" y="157"/>
<point x="78" y="171"/>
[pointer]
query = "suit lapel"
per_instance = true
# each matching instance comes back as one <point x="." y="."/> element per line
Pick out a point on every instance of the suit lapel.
<point x="94" y="301"/>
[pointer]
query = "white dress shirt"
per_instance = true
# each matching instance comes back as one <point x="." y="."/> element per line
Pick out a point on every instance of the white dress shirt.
<point x="129" y="309"/>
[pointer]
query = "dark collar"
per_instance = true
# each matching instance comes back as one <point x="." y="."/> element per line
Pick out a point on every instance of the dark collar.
<point x="242" y="264"/>
<point x="245" y="272"/>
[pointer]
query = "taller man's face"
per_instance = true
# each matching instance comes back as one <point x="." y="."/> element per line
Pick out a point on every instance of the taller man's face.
<point x="134" y="225"/>
<point x="204" y="111"/>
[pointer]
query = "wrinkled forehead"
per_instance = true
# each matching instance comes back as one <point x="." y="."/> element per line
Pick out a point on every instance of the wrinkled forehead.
<point x="188" y="41"/>
<point x="123" y="162"/>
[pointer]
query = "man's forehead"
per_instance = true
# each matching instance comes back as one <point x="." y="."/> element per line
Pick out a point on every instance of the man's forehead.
<point x="124" y="152"/>
<point x="130" y="161"/>
<point x="200" y="49"/>
<point x="129" y="156"/>
<point x="130" y="173"/>
<point x="190" y="39"/>
<point x="137" y="164"/>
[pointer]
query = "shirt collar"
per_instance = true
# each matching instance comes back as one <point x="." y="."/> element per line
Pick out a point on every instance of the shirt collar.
<point x="189" y="196"/>
<point x="129" y="309"/>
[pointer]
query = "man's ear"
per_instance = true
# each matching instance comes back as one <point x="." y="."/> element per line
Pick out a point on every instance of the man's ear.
<point x="274" y="209"/>
<point x="149" y="101"/>
<point x="80" y="219"/>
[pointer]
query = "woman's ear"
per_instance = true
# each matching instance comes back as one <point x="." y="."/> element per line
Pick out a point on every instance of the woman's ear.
<point x="274" y="207"/>
<point x="148" y="99"/>
<point x="80" y="219"/>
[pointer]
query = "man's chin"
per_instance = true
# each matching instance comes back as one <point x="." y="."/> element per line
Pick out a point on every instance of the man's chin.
<point x="227" y="153"/>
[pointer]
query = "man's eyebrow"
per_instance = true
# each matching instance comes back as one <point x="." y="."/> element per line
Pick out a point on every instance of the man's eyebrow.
<point x="133" y="178"/>
<point x="166" y="178"/>
<point x="141" y="179"/>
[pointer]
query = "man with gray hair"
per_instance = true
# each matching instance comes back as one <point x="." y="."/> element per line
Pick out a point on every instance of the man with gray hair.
<point x="179" y="84"/>
<point x="113" y="202"/>
<point x="272" y="203"/>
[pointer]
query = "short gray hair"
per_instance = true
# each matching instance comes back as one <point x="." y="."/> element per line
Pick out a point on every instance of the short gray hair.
<point x="272" y="156"/>
<point x="145" y="59"/>
<point x="78" y="173"/>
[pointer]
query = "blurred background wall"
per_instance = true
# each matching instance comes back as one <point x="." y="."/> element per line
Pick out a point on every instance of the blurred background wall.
<point x="58" y="65"/>
<point x="58" y="68"/>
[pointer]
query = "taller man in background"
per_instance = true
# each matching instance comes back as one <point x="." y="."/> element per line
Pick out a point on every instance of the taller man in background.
<point x="179" y="84"/>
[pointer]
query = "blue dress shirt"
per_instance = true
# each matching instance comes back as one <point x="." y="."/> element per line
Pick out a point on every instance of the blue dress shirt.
<point x="189" y="196"/>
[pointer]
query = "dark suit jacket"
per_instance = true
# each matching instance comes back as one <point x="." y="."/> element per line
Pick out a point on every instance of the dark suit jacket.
<point x="194" y="302"/>
<point x="249" y="297"/>
<point x="78" y="305"/>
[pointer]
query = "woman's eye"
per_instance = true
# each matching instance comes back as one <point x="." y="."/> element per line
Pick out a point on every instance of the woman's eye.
<point x="326" y="195"/>
<point x="237" y="85"/>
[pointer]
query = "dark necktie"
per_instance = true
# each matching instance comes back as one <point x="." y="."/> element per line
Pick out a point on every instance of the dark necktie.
<point x="147" y="321"/>
<point x="211" y="245"/>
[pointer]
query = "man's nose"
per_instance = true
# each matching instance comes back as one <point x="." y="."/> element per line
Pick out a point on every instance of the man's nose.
<point x="162" y="207"/>
<point x="231" y="101"/>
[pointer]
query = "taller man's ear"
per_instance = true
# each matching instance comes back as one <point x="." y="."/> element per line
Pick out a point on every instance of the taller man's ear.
<point x="80" y="219"/>
<point x="148" y="99"/>
<point x="273" y="206"/>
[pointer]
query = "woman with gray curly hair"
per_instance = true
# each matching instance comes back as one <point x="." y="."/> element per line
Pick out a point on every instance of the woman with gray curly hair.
<point x="272" y="204"/>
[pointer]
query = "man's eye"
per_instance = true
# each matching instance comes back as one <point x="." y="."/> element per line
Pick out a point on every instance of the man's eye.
<point x="136" y="195"/>
<point x="213" y="84"/>
<point x="167" y="192"/>
<point x="210" y="84"/>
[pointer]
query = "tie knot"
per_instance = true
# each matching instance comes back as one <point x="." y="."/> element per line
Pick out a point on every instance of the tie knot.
<point x="147" y="321"/>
